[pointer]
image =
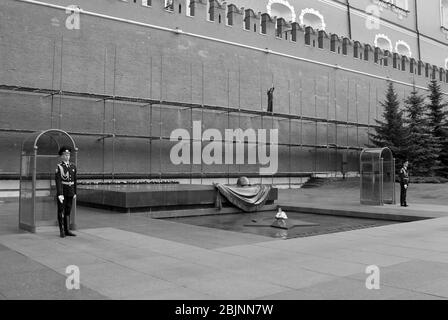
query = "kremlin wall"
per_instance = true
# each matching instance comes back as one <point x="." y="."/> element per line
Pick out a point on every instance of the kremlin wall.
<point x="131" y="74"/>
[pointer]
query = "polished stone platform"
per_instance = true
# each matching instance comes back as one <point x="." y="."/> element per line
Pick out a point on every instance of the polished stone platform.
<point x="141" y="197"/>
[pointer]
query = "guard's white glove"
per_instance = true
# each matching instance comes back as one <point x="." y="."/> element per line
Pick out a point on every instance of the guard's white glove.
<point x="61" y="198"/>
<point x="405" y="186"/>
<point x="74" y="197"/>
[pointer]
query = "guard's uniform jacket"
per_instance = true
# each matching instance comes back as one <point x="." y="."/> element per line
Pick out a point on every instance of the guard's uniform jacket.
<point x="66" y="179"/>
<point x="404" y="176"/>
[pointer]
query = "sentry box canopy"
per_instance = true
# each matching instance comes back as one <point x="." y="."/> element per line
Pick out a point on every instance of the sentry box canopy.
<point x="377" y="169"/>
<point x="37" y="205"/>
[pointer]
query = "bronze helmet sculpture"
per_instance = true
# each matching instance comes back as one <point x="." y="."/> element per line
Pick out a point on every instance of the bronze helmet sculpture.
<point x="242" y="182"/>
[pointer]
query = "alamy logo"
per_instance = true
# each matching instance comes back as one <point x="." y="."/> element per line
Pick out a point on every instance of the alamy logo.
<point x="73" y="21"/>
<point x="234" y="140"/>
<point x="72" y="281"/>
<point x="373" y="280"/>
<point x="373" y="21"/>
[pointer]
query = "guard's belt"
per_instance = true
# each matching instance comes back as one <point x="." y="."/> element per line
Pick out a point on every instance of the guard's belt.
<point x="68" y="183"/>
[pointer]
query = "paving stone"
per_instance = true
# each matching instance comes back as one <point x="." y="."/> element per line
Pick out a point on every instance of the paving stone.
<point x="436" y="269"/>
<point x="391" y="250"/>
<point x="53" y="292"/>
<point x="332" y="266"/>
<point x="41" y="284"/>
<point x="363" y="257"/>
<point x="197" y="236"/>
<point x="260" y="252"/>
<point x="167" y="268"/>
<point x="339" y="289"/>
<point x="291" y="276"/>
<point x="133" y="239"/>
<point x="110" y="275"/>
<point x="151" y="264"/>
<point x="419" y="243"/>
<point x="437" y="257"/>
<point x="438" y="288"/>
<point x="35" y="247"/>
<point x="116" y="255"/>
<point x="130" y="286"/>
<point x="213" y="259"/>
<point x="289" y="294"/>
<point x="30" y="279"/>
<point x="60" y="263"/>
<point x="14" y="262"/>
<point x="411" y="275"/>
<point x="177" y="293"/>
<point x="416" y="296"/>
<point x="229" y="286"/>
<point x="307" y="246"/>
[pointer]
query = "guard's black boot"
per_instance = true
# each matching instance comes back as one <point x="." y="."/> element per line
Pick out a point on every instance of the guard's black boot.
<point x="61" y="231"/>
<point x="61" y="228"/>
<point x="66" y="227"/>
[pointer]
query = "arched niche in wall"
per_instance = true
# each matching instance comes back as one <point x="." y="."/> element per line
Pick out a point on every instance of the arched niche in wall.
<point x="444" y="13"/>
<point x="383" y="42"/>
<point x="403" y="48"/>
<point x="313" y="18"/>
<point x="444" y="17"/>
<point x="281" y="9"/>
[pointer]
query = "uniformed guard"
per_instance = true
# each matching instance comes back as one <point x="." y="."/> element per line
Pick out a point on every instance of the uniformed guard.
<point x="66" y="190"/>
<point x="404" y="183"/>
<point x="270" y="94"/>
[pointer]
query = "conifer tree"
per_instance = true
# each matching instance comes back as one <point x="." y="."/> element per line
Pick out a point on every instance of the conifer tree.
<point x="391" y="132"/>
<point x="422" y="151"/>
<point x="437" y="122"/>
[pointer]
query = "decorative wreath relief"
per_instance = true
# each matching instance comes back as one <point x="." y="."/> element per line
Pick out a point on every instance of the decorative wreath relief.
<point x="403" y="48"/>
<point x="313" y="18"/>
<point x="288" y="7"/>
<point x="383" y="42"/>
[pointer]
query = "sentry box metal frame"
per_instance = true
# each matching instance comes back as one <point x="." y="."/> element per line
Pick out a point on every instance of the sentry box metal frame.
<point x="377" y="176"/>
<point x="37" y="201"/>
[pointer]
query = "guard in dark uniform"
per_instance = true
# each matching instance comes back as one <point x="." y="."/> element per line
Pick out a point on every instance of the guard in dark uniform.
<point x="404" y="183"/>
<point x="270" y="94"/>
<point x="66" y="190"/>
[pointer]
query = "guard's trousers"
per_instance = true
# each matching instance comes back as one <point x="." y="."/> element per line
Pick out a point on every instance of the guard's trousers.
<point x="64" y="210"/>
<point x="403" y="194"/>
